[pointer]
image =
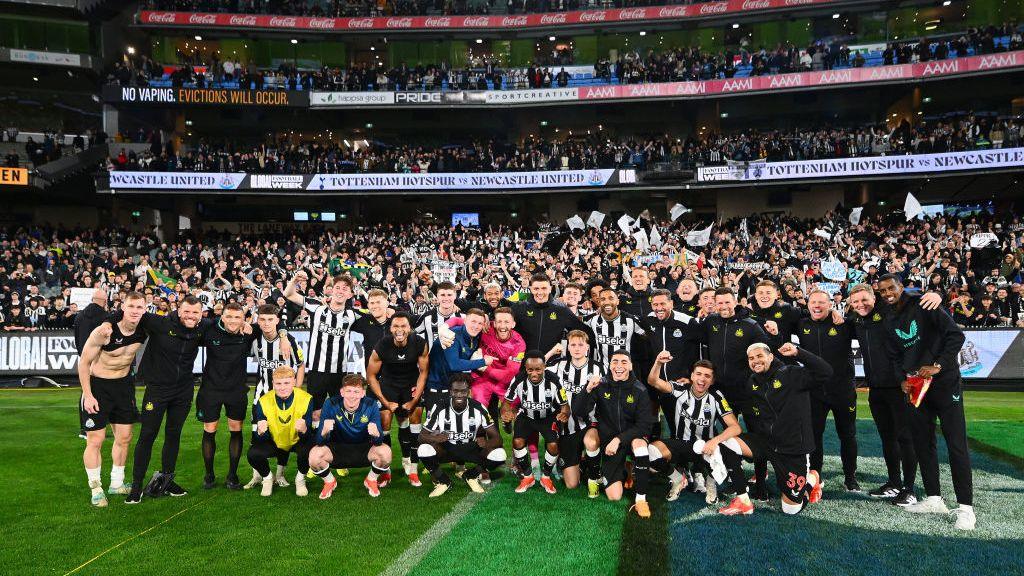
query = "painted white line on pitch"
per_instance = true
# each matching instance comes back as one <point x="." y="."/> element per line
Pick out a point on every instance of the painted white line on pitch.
<point x="130" y="538"/>
<point x="419" y="549"/>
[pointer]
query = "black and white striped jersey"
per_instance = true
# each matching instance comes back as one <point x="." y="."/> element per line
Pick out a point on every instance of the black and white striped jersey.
<point x="537" y="401"/>
<point x="462" y="426"/>
<point x="574" y="381"/>
<point x="428" y="324"/>
<point x="328" y="339"/>
<point x="695" y="418"/>
<point x="268" y="358"/>
<point x="620" y="332"/>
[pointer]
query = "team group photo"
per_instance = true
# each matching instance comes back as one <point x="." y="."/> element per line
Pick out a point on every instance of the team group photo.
<point x="465" y="287"/>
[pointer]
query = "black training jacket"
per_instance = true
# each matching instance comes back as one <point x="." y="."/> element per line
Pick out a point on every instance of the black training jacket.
<point x="781" y="402"/>
<point x="727" y="341"/>
<point x="920" y="337"/>
<point x="872" y="334"/>
<point x="623" y="409"/>
<point x="543" y="325"/>
<point x="680" y="335"/>
<point x="226" y="355"/>
<point x="171" y="352"/>
<point x="834" y="344"/>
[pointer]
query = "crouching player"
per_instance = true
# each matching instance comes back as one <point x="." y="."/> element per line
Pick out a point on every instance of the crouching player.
<point x="450" y="435"/>
<point x="284" y="424"/>
<point x="782" y="433"/>
<point x="350" y="437"/>
<point x="696" y="413"/>
<point x="623" y="413"/>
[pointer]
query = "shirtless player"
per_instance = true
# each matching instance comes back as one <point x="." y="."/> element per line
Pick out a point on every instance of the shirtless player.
<point x="108" y="394"/>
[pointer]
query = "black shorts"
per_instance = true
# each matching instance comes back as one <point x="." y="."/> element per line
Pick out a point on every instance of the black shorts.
<point x="790" y="469"/>
<point x="468" y="452"/>
<point x="433" y="397"/>
<point x="548" y="428"/>
<point x="570" y="448"/>
<point x="116" y="398"/>
<point x="322" y="386"/>
<point x="613" y="468"/>
<point x="682" y="450"/>
<point x="209" y="403"/>
<point x="397" y="394"/>
<point x="348" y="455"/>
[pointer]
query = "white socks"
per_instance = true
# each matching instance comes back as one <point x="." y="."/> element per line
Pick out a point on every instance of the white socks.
<point x="117" y="476"/>
<point x="94" y="479"/>
<point x="674" y="476"/>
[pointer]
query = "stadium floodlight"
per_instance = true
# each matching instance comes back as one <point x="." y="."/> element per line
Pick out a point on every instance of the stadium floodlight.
<point x="543" y="122"/>
<point x="643" y="33"/>
<point x="724" y="115"/>
<point x="199" y="38"/>
<point x="735" y="26"/>
<point x="551" y="38"/>
<point x="947" y="2"/>
<point x="35" y="79"/>
<point x="369" y="125"/>
<point x="835" y="16"/>
<point x="927" y="100"/>
<point x="131" y="50"/>
<point x="373" y="48"/>
<point x="295" y="41"/>
<point x="479" y="40"/>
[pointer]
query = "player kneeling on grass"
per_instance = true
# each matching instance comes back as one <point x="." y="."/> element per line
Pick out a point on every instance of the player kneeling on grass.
<point x="450" y="435"/>
<point x="623" y="413"/>
<point x="542" y="411"/>
<point x="284" y="424"/>
<point x="350" y="437"/>
<point x="782" y="433"/>
<point x="695" y="416"/>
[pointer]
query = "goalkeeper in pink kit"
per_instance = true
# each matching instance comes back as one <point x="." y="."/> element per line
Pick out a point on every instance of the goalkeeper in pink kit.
<point x="504" y="343"/>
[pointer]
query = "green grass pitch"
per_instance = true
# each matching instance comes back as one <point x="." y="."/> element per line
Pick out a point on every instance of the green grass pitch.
<point x="50" y="528"/>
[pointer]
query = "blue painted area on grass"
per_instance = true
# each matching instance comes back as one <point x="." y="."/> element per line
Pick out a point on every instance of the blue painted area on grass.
<point x="853" y="534"/>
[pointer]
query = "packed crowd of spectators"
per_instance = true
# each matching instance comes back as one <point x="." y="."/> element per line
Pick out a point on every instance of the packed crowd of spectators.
<point x="284" y="156"/>
<point x="39" y="264"/>
<point x="690" y="64"/>
<point x="343" y="8"/>
<point x="639" y="65"/>
<point x="209" y="70"/>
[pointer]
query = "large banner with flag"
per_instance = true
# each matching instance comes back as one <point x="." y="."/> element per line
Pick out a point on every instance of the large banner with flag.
<point x="867" y="166"/>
